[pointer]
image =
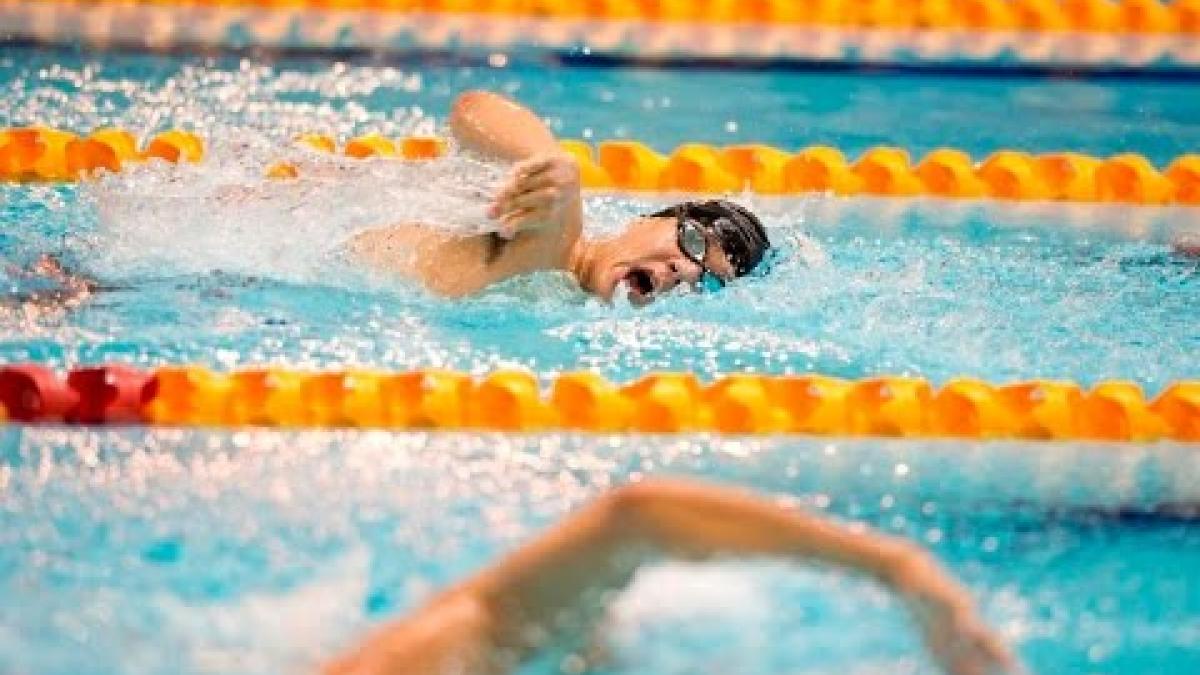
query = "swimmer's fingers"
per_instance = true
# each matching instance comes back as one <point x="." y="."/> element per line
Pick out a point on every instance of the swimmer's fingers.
<point x="557" y="173"/>
<point x="534" y="166"/>
<point x="555" y="169"/>
<point x="515" y="221"/>
<point x="527" y="209"/>
<point x="506" y="199"/>
<point x="965" y="646"/>
<point x="527" y="175"/>
<point x="545" y="199"/>
<point x="978" y="650"/>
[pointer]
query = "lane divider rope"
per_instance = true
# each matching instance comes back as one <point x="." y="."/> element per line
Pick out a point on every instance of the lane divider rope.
<point x="1103" y="16"/>
<point x="1073" y="36"/>
<point x="510" y="400"/>
<point x="39" y="153"/>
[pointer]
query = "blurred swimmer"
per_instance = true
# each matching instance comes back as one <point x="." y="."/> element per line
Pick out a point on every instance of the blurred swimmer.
<point x="503" y="615"/>
<point x="67" y="291"/>
<point x="539" y="214"/>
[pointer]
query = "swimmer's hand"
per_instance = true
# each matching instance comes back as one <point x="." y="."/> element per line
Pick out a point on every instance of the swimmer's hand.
<point x="539" y="193"/>
<point x="953" y="631"/>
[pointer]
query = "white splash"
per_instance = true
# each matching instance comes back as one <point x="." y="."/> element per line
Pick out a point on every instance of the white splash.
<point x="285" y="631"/>
<point x="225" y="214"/>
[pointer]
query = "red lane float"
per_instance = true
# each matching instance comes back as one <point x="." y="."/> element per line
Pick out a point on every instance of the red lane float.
<point x="112" y="394"/>
<point x="34" y="393"/>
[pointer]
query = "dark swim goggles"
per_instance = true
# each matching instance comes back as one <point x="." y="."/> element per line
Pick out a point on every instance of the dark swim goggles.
<point x="694" y="239"/>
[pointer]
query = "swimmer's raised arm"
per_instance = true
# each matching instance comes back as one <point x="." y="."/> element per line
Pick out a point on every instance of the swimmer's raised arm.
<point x="543" y="189"/>
<point x="494" y="126"/>
<point x="500" y="616"/>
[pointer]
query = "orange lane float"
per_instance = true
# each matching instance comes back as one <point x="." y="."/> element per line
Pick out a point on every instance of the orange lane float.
<point x="509" y="400"/>
<point x="890" y="406"/>
<point x="1131" y="178"/>
<point x="371" y="145"/>
<point x="422" y="147"/>
<point x="887" y="171"/>
<point x="1184" y="174"/>
<point x="757" y="166"/>
<point x="1179" y="407"/>
<point x="1187" y="15"/>
<point x="174" y="146"/>
<point x="820" y="169"/>
<point x="584" y="400"/>
<point x="1039" y="15"/>
<point x="107" y="149"/>
<point x="1068" y="176"/>
<point x="1123" y="16"/>
<point x="966" y="407"/>
<point x="814" y="404"/>
<point x="37" y="153"/>
<point x="666" y="403"/>
<point x="631" y="165"/>
<point x="1012" y="176"/>
<point x="947" y="172"/>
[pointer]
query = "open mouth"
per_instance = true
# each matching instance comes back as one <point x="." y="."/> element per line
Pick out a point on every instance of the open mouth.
<point x="640" y="281"/>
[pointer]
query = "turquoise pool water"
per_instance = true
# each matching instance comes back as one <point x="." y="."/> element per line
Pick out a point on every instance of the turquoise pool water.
<point x="132" y="551"/>
<point x="199" y="552"/>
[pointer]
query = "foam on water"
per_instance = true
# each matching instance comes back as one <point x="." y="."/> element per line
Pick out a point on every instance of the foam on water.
<point x="225" y="215"/>
<point x="735" y="617"/>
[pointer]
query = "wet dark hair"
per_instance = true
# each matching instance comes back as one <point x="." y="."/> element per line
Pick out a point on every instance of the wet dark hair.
<point x="739" y="231"/>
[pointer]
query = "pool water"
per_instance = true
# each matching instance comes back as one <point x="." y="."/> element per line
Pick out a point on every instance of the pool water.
<point x="169" y="551"/>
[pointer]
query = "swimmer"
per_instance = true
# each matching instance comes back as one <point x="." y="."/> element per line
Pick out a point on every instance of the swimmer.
<point x="539" y="218"/>
<point x="69" y="291"/>
<point x="501" y="616"/>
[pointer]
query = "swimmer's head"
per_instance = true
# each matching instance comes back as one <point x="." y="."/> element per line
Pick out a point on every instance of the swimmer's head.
<point x="702" y="244"/>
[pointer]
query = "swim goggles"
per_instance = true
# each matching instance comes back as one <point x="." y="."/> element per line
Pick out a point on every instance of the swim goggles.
<point x="694" y="240"/>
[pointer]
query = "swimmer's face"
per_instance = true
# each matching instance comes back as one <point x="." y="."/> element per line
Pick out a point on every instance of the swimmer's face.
<point x="648" y="259"/>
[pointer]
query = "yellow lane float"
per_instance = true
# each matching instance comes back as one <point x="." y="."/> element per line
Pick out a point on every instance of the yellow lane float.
<point x="513" y="400"/>
<point x="39" y="153"/>
<point x="1106" y="16"/>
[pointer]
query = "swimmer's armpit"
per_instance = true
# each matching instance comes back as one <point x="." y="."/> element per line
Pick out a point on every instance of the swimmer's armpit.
<point x="505" y="613"/>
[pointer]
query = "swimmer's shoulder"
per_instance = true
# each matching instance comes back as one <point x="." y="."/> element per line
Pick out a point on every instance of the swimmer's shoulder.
<point x="447" y="264"/>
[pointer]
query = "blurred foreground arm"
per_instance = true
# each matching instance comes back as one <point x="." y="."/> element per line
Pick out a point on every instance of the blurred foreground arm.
<point x="501" y="616"/>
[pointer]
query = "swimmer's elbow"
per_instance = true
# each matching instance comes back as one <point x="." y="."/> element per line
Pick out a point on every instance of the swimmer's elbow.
<point x="468" y="98"/>
<point x="466" y="105"/>
<point x="631" y="508"/>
